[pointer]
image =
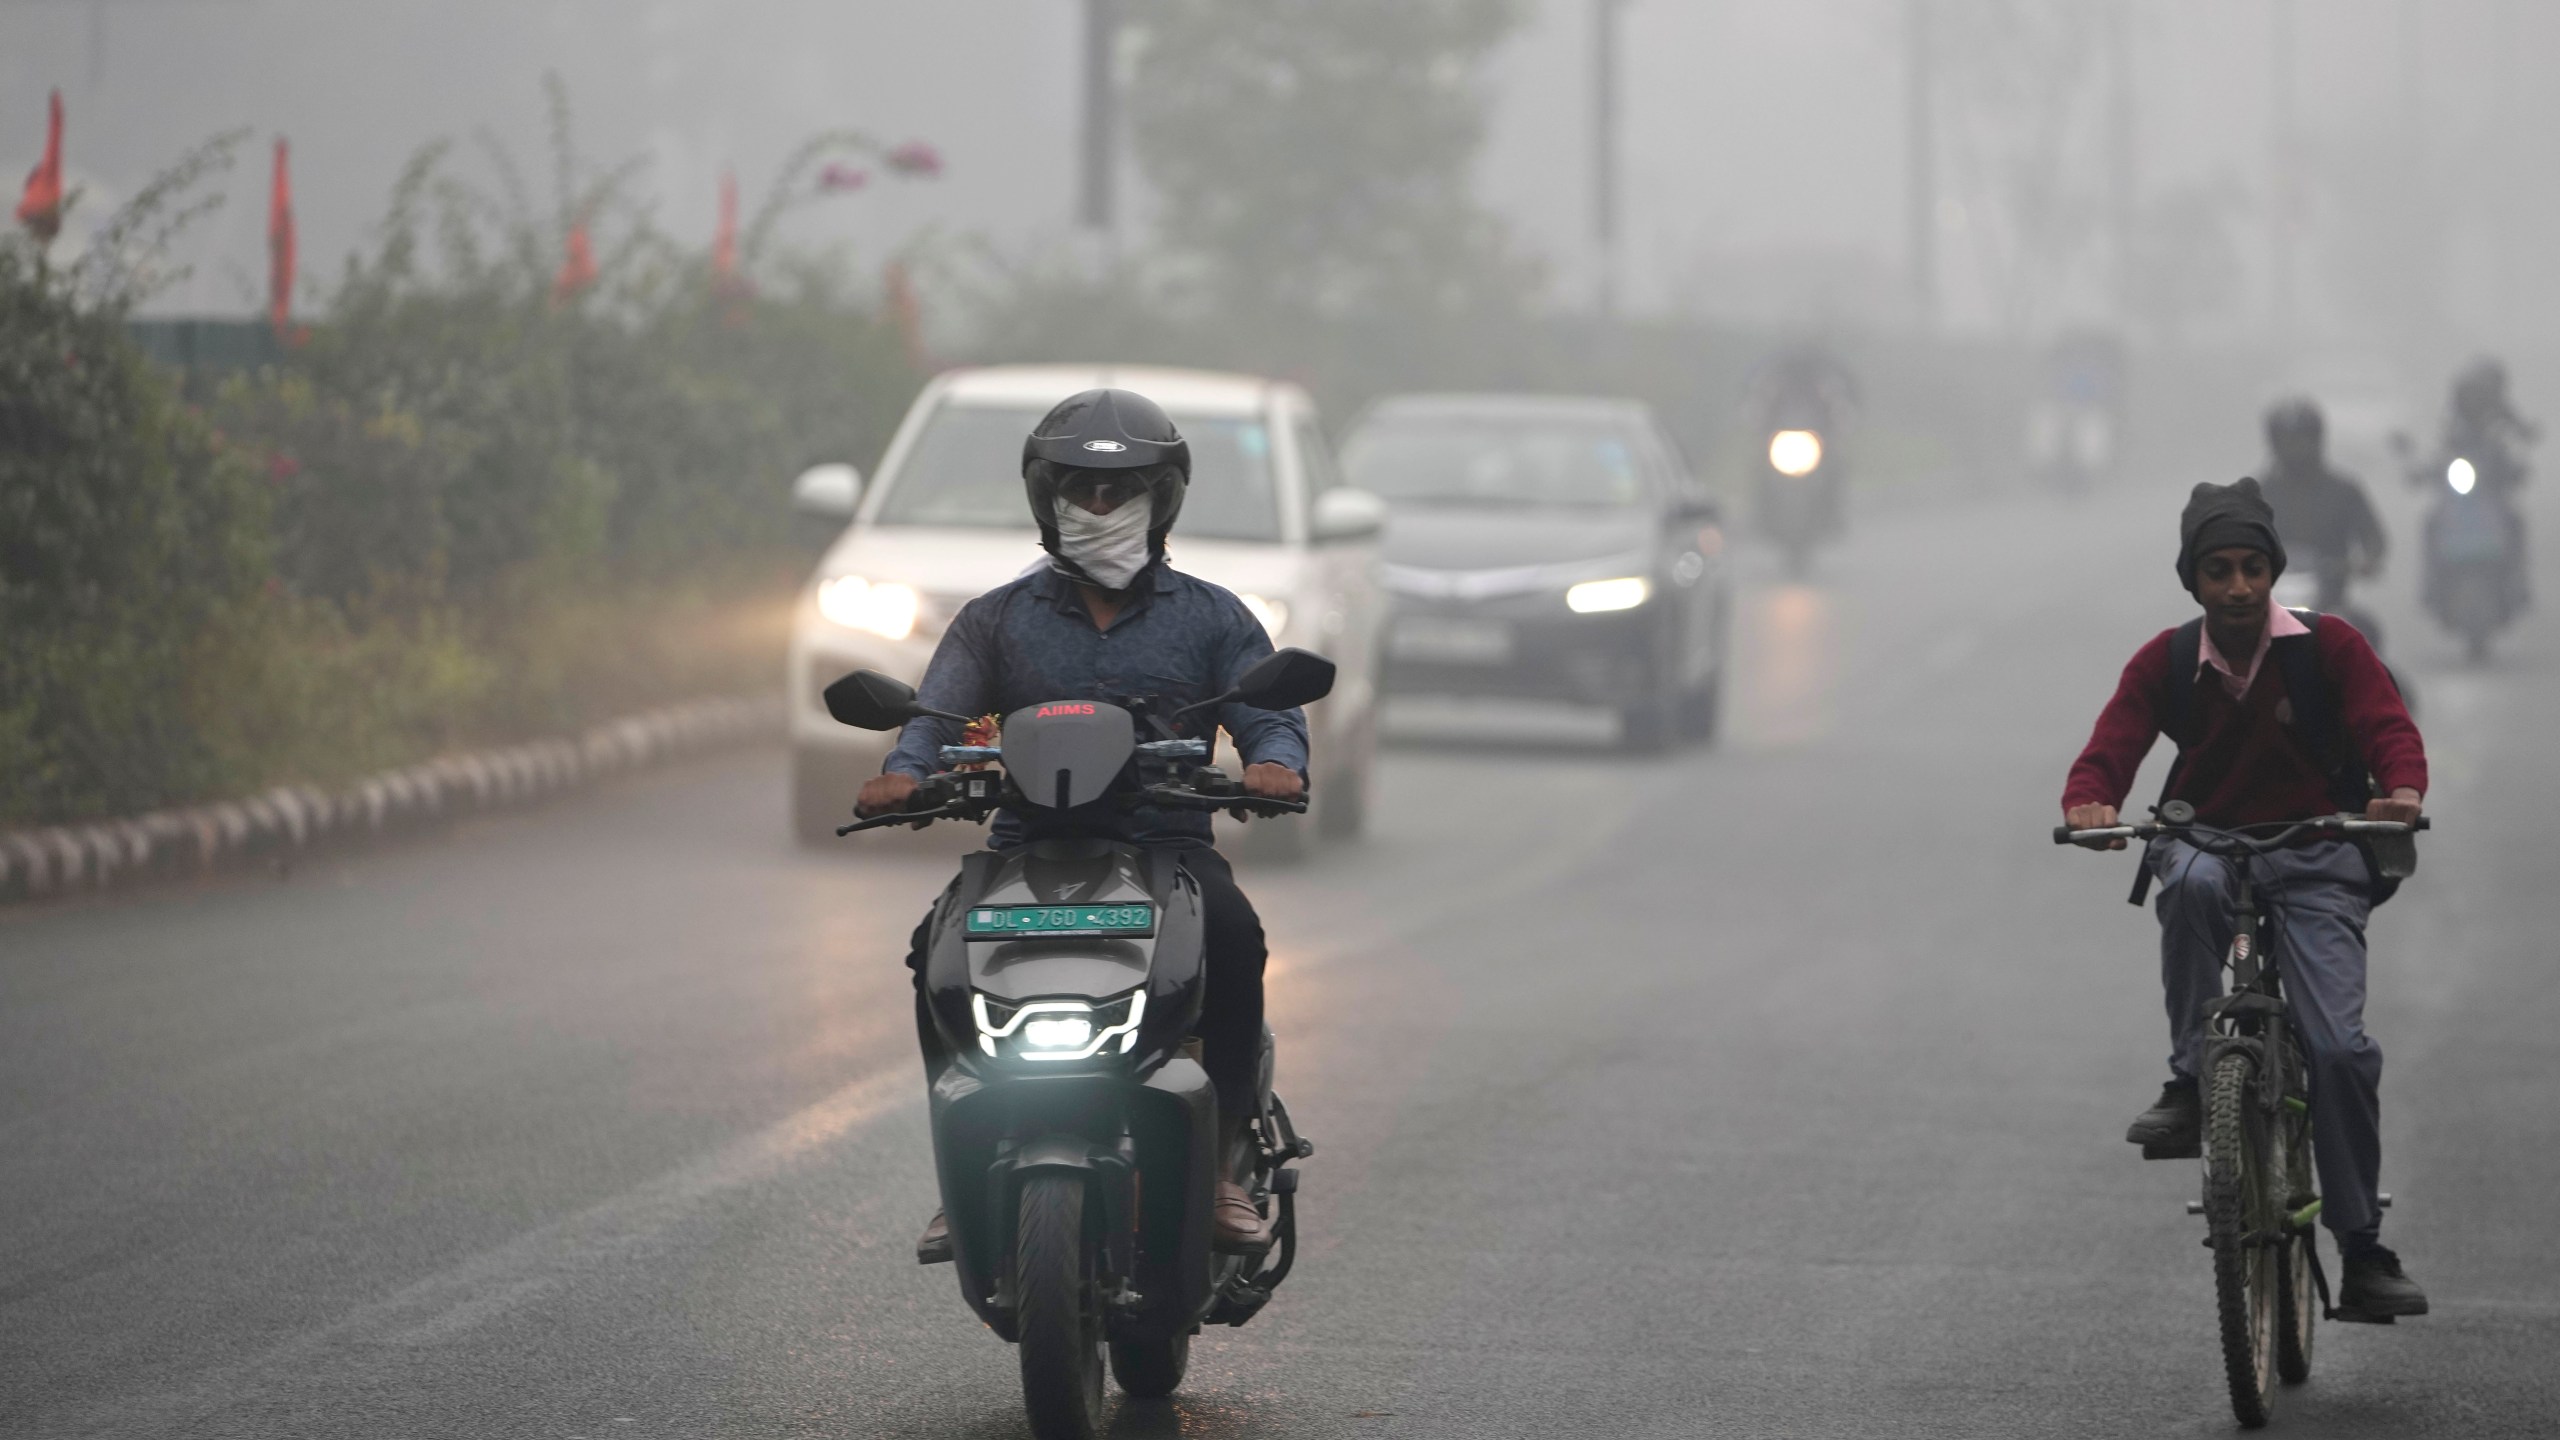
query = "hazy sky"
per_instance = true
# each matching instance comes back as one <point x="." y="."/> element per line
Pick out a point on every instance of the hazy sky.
<point x="1764" y="140"/>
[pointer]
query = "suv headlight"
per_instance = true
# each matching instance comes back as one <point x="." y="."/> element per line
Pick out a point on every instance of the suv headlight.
<point x="1051" y="1030"/>
<point x="887" y="610"/>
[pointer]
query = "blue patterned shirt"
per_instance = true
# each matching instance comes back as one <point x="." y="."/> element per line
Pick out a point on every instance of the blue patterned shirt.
<point x="1179" y="640"/>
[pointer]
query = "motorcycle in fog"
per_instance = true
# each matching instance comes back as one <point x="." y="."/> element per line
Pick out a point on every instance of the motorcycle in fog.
<point x="1075" y="1133"/>
<point x="1799" y="491"/>
<point x="2473" y="583"/>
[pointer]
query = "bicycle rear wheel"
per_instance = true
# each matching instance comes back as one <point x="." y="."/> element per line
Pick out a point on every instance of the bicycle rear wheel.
<point x="2239" y="1215"/>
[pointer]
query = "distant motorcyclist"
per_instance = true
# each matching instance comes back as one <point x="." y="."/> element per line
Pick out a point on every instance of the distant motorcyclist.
<point x="1108" y="619"/>
<point x="2483" y="427"/>
<point x="1799" y="398"/>
<point x="2236" y="691"/>
<point x="2326" y="519"/>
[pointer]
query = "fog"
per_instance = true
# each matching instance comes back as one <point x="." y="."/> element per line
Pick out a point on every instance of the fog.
<point x="1766" y="146"/>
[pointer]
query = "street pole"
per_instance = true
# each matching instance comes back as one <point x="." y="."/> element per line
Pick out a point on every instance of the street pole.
<point x="2280" y="182"/>
<point x="2123" y="179"/>
<point x="1921" y="160"/>
<point x="1604" y="149"/>
<point x="1096" y="192"/>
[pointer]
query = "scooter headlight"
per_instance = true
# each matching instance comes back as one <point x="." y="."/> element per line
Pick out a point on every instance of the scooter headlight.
<point x="1054" y="1030"/>
<point x="2462" y="475"/>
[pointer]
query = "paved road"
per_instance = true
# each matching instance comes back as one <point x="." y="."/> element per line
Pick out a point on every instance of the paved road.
<point x="1770" y="1091"/>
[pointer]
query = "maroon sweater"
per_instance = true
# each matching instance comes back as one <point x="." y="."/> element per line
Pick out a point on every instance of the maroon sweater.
<point x="2247" y="765"/>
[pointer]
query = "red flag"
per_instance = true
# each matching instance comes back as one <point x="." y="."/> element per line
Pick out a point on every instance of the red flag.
<point x="280" y="253"/>
<point x="724" y="241"/>
<point x="40" y="208"/>
<point x="577" y="267"/>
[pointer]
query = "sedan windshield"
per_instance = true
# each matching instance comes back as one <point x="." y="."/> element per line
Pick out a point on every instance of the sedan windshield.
<point x="966" y="470"/>
<point x="1490" y="461"/>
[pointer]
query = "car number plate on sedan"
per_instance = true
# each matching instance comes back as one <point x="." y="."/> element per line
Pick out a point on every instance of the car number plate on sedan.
<point x="1432" y="639"/>
<point x="1035" y="920"/>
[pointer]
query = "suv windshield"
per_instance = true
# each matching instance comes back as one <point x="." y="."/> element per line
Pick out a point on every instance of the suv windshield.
<point x="1493" y="461"/>
<point x="966" y="470"/>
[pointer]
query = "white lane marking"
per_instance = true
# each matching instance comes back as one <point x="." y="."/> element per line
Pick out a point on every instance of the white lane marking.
<point x="453" y="1301"/>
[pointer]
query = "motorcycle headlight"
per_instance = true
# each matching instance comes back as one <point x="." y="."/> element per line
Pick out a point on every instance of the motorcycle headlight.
<point x="1053" y="1030"/>
<point x="2462" y="475"/>
<point x="1594" y="597"/>
<point x="1795" y="453"/>
<point x="887" y="610"/>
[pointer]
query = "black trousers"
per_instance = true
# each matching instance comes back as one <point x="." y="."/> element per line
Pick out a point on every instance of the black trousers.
<point x="1230" y="1026"/>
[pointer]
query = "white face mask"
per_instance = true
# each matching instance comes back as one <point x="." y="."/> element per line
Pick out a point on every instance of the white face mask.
<point x="1111" y="549"/>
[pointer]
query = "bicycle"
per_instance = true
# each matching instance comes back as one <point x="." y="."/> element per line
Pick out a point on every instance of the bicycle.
<point x="2260" y="1194"/>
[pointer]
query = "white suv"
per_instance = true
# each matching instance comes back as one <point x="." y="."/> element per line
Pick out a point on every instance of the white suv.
<point x="945" y="520"/>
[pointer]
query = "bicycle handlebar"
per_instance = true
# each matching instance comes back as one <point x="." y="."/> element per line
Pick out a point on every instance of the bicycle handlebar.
<point x="2285" y="830"/>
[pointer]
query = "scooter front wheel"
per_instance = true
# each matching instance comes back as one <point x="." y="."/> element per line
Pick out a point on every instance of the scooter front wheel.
<point x="1057" y="1314"/>
<point x="1150" y="1368"/>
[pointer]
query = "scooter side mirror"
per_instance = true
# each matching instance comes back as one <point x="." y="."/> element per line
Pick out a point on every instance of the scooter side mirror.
<point x="869" y="700"/>
<point x="1284" y="680"/>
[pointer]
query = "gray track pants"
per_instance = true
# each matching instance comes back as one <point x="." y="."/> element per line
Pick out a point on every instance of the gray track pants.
<point x="2318" y="896"/>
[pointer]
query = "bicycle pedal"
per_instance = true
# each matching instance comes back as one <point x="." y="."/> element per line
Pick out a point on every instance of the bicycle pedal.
<point x="2362" y="1317"/>
<point x="2173" y="1152"/>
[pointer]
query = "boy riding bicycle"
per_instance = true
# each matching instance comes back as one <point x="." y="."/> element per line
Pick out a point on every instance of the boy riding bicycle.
<point x="2277" y="715"/>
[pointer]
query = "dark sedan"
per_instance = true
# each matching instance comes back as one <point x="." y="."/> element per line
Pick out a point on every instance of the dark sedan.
<point x="1548" y="548"/>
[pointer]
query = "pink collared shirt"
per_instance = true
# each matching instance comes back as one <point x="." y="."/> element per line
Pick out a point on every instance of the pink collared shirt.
<point x="2280" y="623"/>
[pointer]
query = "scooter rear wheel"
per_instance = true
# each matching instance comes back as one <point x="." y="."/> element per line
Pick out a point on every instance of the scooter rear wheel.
<point x="1057" y="1313"/>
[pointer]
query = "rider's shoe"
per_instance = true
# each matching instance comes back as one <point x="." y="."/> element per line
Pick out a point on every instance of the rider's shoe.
<point x="2376" y="1288"/>
<point x="934" y="1246"/>
<point x="1238" y="1228"/>
<point x="2173" y="1128"/>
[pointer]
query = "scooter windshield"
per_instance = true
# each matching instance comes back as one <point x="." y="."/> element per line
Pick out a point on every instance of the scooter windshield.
<point x="1065" y="753"/>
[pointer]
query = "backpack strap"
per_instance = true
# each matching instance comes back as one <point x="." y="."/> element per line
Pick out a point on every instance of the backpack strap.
<point x="2173" y="710"/>
<point x="2316" y="715"/>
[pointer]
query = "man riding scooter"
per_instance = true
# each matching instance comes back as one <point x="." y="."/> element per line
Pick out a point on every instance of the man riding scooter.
<point x="2277" y="716"/>
<point x="1107" y="618"/>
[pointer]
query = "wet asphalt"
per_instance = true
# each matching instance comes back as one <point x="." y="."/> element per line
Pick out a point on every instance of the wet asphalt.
<point x="1769" y="1090"/>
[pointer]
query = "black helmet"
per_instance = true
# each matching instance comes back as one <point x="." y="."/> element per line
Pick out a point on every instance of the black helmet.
<point x="2295" y="430"/>
<point x="1106" y="430"/>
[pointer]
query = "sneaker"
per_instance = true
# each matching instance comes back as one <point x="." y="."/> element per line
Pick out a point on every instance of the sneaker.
<point x="2173" y="1128"/>
<point x="934" y="1246"/>
<point x="2376" y="1288"/>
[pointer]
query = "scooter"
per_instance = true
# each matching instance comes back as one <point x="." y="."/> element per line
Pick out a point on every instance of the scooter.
<point x="1075" y="1133"/>
<point x="2473" y="568"/>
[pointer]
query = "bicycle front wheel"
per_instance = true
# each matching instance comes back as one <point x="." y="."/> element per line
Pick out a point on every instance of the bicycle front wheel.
<point x="2297" y="1301"/>
<point x="2245" y="1234"/>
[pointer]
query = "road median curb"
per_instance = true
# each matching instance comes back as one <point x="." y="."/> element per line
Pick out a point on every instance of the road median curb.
<point x="280" y="825"/>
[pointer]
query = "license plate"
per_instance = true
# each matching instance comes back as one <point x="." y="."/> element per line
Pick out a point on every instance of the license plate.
<point x="1016" y="920"/>
<point x="1450" y="642"/>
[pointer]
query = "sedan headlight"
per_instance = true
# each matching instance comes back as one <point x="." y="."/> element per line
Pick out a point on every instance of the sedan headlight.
<point x="1051" y="1030"/>
<point x="1593" y="597"/>
<point x="1274" y="614"/>
<point x="887" y="610"/>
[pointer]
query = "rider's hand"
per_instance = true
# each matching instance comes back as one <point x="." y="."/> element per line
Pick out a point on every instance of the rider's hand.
<point x="1274" y="781"/>
<point x="2093" y="817"/>
<point x="882" y="794"/>
<point x="2400" y="805"/>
